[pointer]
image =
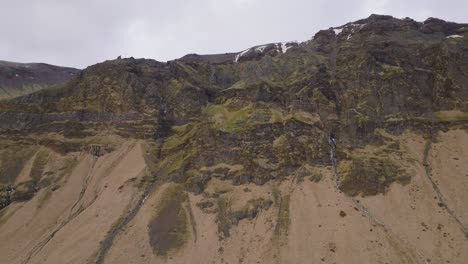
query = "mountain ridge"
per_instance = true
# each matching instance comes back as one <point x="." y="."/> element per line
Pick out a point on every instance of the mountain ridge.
<point x="360" y="130"/>
<point x="18" y="79"/>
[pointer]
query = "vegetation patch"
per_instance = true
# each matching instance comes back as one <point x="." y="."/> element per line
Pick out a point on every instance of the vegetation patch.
<point x="12" y="160"/>
<point x="150" y="154"/>
<point x="39" y="164"/>
<point x="174" y="163"/>
<point x="225" y="118"/>
<point x="250" y="210"/>
<point x="24" y="191"/>
<point x="222" y="218"/>
<point x="369" y="176"/>
<point x="390" y="71"/>
<point x="306" y="118"/>
<point x="315" y="177"/>
<point x="181" y="136"/>
<point x="227" y="217"/>
<point x="168" y="230"/>
<point x="288" y="151"/>
<point x="196" y="183"/>
<point x="452" y="116"/>
<point x="283" y="222"/>
<point x="361" y="119"/>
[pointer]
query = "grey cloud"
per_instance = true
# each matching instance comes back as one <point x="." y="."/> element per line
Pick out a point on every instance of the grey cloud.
<point x="80" y="33"/>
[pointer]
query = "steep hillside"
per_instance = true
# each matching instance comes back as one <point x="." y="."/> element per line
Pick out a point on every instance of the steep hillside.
<point x="18" y="79"/>
<point x="347" y="148"/>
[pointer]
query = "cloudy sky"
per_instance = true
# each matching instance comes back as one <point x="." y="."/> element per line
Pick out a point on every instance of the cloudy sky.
<point x="83" y="32"/>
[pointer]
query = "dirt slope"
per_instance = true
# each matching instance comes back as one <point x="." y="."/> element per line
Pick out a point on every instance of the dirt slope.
<point x="88" y="202"/>
<point x="320" y="223"/>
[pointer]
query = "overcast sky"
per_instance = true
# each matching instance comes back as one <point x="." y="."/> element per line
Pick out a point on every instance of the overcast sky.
<point x="79" y="33"/>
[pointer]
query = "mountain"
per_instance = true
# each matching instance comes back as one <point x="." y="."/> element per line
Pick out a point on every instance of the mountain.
<point x="347" y="148"/>
<point x="18" y="79"/>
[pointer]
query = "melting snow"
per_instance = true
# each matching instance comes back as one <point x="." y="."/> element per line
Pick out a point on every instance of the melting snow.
<point x="358" y="25"/>
<point x="284" y="47"/>
<point x="261" y="48"/>
<point x="354" y="28"/>
<point x="455" y="36"/>
<point x="337" y="31"/>
<point x="16" y="75"/>
<point x="280" y="48"/>
<point x="240" y="55"/>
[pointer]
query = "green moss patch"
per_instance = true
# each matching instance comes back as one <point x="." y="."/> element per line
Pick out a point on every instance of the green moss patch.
<point x="283" y="222"/>
<point x="226" y="217"/>
<point x="390" y="71"/>
<point x="233" y="119"/>
<point x="369" y="176"/>
<point x="306" y="117"/>
<point x="182" y="135"/>
<point x="452" y="116"/>
<point x="168" y="230"/>
<point x="222" y="218"/>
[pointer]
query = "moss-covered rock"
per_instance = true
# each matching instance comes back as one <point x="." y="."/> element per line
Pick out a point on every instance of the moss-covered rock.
<point x="369" y="176"/>
<point x="227" y="217"/>
<point x="284" y="220"/>
<point x="169" y="228"/>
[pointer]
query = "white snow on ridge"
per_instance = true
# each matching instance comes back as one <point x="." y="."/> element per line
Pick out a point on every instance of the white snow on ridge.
<point x="284" y="47"/>
<point x="337" y="31"/>
<point x="261" y="48"/>
<point x="240" y="55"/>
<point x="354" y="28"/>
<point x="281" y="47"/>
<point x="455" y="36"/>
<point x="358" y="25"/>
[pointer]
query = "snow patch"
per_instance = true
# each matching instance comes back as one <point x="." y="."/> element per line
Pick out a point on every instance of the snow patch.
<point x="261" y="48"/>
<point x="284" y="47"/>
<point x="455" y="36"/>
<point x="353" y="28"/>
<point x="337" y="31"/>
<point x="356" y="27"/>
<point x="240" y="55"/>
<point x="17" y="75"/>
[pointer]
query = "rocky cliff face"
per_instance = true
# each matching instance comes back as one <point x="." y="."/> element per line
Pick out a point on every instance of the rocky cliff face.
<point x="350" y="117"/>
